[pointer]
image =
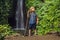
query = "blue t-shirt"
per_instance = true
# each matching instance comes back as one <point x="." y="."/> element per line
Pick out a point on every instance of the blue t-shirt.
<point x="32" y="19"/>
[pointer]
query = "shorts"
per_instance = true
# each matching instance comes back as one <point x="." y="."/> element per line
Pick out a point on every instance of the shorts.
<point x="32" y="26"/>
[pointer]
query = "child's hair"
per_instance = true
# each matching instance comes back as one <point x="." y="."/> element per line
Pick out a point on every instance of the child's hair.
<point x="30" y="9"/>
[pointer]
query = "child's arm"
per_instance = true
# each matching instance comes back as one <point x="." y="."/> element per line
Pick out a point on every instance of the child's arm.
<point x="37" y="20"/>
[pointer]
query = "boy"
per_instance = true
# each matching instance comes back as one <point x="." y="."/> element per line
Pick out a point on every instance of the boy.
<point x="32" y="20"/>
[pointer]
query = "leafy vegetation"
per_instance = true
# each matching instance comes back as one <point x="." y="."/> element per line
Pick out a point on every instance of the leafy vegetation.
<point x="5" y="30"/>
<point x="5" y="7"/>
<point x="48" y="13"/>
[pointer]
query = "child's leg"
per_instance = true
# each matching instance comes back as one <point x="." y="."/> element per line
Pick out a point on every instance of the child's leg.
<point x="29" y="32"/>
<point x="30" y="29"/>
<point x="35" y="31"/>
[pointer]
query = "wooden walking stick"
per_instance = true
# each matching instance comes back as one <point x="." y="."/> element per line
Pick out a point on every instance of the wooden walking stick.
<point x="26" y="28"/>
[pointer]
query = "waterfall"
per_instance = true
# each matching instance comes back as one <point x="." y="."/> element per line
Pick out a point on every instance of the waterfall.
<point x="19" y="16"/>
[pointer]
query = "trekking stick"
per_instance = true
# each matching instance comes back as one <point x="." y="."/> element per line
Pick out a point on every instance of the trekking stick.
<point x="26" y="26"/>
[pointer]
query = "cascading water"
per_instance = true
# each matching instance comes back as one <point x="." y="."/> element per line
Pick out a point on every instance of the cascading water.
<point x="19" y="16"/>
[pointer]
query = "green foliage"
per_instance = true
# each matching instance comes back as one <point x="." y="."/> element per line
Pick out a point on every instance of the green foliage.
<point x="35" y="3"/>
<point x="5" y="30"/>
<point x="48" y="13"/>
<point x="5" y="6"/>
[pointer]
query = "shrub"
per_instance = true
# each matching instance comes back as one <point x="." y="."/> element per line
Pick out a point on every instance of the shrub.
<point x="5" y="30"/>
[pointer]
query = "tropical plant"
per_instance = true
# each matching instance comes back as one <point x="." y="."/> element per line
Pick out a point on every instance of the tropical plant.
<point x="5" y="30"/>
